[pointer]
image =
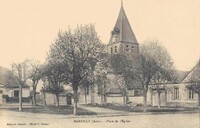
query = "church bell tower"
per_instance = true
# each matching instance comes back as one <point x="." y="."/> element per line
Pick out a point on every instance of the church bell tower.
<point x="122" y="38"/>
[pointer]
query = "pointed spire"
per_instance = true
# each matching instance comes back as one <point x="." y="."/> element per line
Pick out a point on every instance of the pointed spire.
<point x="123" y="28"/>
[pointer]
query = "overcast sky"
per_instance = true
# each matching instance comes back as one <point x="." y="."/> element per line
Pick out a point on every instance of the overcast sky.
<point x="28" y="27"/>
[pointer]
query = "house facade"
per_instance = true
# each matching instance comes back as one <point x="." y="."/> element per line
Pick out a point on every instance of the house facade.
<point x="10" y="94"/>
<point x="9" y="88"/>
<point x="177" y="95"/>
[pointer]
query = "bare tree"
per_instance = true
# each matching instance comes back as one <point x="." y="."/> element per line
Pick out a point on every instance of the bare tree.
<point x="153" y="59"/>
<point x="120" y="84"/>
<point x="78" y="50"/>
<point x="101" y="80"/>
<point x="19" y="69"/>
<point x="34" y="75"/>
<point x="85" y="85"/>
<point x="55" y="77"/>
<point x="44" y="80"/>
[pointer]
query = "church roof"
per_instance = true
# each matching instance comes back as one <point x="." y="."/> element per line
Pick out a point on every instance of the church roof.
<point x="123" y="29"/>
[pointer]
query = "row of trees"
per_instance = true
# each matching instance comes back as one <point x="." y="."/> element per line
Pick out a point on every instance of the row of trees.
<point x="77" y="58"/>
<point x="72" y="60"/>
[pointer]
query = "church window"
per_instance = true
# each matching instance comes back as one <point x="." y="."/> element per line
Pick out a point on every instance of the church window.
<point x="176" y="93"/>
<point x="127" y="48"/>
<point x="190" y="93"/>
<point x="132" y="46"/>
<point x="115" y="48"/>
<point x="111" y="50"/>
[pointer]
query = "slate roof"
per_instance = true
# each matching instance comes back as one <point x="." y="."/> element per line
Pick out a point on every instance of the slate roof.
<point x="123" y="26"/>
<point x="8" y="79"/>
<point x="181" y="75"/>
<point x="196" y="69"/>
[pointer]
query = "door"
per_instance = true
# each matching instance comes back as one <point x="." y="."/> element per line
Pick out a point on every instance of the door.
<point x="69" y="100"/>
<point x="155" y="98"/>
<point x="162" y="99"/>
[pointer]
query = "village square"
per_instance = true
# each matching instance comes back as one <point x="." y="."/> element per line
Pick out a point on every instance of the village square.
<point x="85" y="81"/>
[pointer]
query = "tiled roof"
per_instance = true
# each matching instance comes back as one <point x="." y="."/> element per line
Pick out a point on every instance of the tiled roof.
<point x="124" y="28"/>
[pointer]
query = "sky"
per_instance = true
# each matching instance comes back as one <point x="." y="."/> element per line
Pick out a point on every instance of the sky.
<point x="28" y="27"/>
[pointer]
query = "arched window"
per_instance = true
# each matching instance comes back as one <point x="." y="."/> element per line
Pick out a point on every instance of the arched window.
<point x="115" y="48"/>
<point x="127" y="48"/>
<point x="111" y="50"/>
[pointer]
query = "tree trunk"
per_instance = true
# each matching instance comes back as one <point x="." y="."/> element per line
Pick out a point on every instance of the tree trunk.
<point x="57" y="100"/>
<point x="151" y="91"/>
<point x="20" y="98"/>
<point x="31" y="99"/>
<point x="34" y="96"/>
<point x="198" y="102"/>
<point x="124" y="100"/>
<point x="145" y="101"/>
<point x="104" y="94"/>
<point x="127" y="99"/>
<point x="85" y="98"/>
<point x="159" y="102"/>
<point x="165" y="97"/>
<point x="44" y="99"/>
<point x="75" y="101"/>
<point x="92" y="94"/>
<point x="102" y="100"/>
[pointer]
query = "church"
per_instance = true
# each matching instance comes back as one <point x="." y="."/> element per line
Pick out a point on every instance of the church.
<point x="122" y="41"/>
<point x="116" y="91"/>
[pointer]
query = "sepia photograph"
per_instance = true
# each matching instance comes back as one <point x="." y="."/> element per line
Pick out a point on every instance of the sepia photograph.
<point x="100" y="63"/>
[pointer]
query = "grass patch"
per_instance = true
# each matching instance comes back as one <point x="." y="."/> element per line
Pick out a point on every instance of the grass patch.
<point x="61" y="110"/>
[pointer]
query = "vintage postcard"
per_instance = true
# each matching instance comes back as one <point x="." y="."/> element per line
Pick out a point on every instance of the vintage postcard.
<point x="100" y="64"/>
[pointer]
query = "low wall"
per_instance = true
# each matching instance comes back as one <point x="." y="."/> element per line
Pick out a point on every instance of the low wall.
<point x="136" y="100"/>
<point x="63" y="100"/>
<point x="115" y="100"/>
<point x="82" y="100"/>
<point x="182" y="104"/>
<point x="16" y="100"/>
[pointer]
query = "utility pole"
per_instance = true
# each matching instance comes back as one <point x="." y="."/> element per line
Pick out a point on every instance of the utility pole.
<point x="20" y="87"/>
